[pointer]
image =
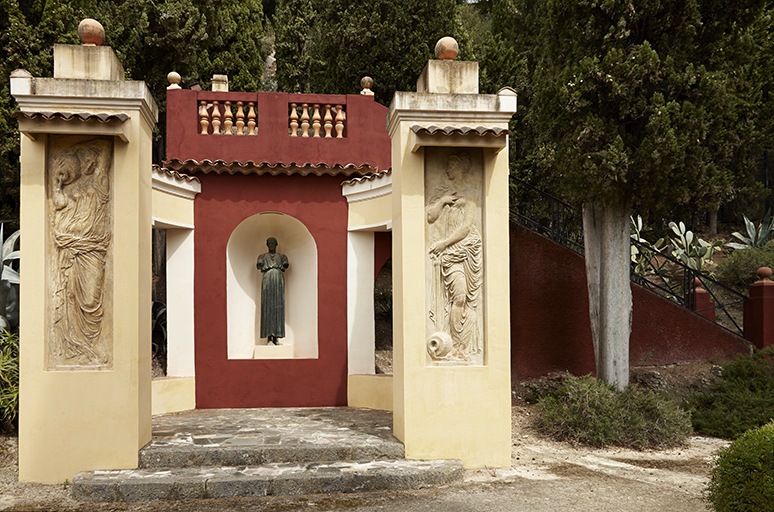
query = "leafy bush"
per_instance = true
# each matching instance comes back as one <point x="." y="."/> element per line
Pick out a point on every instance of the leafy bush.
<point x="743" y="398"/>
<point x="739" y="270"/>
<point x="589" y="411"/>
<point x="9" y="378"/>
<point x="743" y="475"/>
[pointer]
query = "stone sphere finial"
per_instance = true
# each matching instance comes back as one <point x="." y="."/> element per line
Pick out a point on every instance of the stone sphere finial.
<point x="447" y="48"/>
<point x="366" y="83"/>
<point x="697" y="283"/>
<point x="174" y="80"/>
<point x="91" y="32"/>
<point x="764" y="273"/>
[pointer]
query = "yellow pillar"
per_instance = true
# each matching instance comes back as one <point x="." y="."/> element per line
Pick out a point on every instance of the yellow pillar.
<point x="451" y="346"/>
<point x="85" y="383"/>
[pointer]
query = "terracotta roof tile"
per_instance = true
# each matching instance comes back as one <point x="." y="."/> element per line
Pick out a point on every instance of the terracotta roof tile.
<point x="176" y="175"/>
<point x="461" y="130"/>
<point x="69" y="116"/>
<point x="368" y="177"/>
<point x="250" y="167"/>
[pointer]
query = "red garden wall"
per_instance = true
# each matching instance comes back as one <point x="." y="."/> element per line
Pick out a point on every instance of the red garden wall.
<point x="224" y="202"/>
<point x="550" y="329"/>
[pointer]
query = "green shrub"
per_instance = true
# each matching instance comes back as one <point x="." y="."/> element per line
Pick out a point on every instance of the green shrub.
<point x="586" y="410"/>
<point x="9" y="378"/>
<point x="743" y="475"/>
<point x="739" y="270"/>
<point x="743" y="398"/>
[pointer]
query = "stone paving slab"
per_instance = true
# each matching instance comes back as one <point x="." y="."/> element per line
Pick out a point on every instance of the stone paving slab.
<point x="147" y="485"/>
<point x="252" y="437"/>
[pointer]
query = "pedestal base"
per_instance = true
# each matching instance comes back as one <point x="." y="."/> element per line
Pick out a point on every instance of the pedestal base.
<point x="273" y="352"/>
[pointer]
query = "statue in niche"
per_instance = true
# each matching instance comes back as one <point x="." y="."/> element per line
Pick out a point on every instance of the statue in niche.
<point x="272" y="264"/>
<point x="457" y="255"/>
<point x="80" y="206"/>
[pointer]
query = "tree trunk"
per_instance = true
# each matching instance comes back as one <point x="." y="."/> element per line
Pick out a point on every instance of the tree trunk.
<point x="713" y="221"/>
<point x="607" y="242"/>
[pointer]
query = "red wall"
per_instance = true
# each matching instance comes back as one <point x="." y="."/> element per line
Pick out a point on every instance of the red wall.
<point x="226" y="201"/>
<point x="550" y="329"/>
<point x="365" y="140"/>
<point x="382" y="250"/>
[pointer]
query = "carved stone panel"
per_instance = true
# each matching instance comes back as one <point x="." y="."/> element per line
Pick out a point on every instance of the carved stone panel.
<point x="454" y="256"/>
<point x="79" y="177"/>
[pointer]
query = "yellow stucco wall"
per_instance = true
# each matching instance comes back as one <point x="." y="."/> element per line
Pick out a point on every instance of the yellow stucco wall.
<point x="370" y="212"/>
<point x="173" y="394"/>
<point x="449" y="411"/>
<point x="172" y="209"/>
<point x="75" y="420"/>
<point x="370" y="391"/>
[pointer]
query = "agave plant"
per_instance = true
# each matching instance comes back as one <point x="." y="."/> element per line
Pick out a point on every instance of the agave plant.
<point x="756" y="237"/>
<point x="8" y="278"/>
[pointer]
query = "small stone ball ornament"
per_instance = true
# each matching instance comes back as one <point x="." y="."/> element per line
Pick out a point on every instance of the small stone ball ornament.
<point x="366" y="83"/>
<point x="447" y="48"/>
<point x="91" y="32"/>
<point x="174" y="78"/>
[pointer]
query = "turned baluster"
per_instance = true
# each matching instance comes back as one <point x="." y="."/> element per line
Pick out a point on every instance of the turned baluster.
<point x="316" y="121"/>
<point x="228" y="123"/>
<point x="293" y="120"/>
<point x="305" y="120"/>
<point x="240" y="118"/>
<point x="328" y="121"/>
<point x="339" y="122"/>
<point x="215" y="118"/>
<point x="251" y="119"/>
<point x="204" y="117"/>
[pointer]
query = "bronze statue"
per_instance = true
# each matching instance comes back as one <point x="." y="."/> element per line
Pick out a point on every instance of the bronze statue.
<point x="273" y="265"/>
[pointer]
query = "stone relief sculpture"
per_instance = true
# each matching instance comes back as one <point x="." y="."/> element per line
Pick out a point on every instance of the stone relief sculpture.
<point x="272" y="264"/>
<point x="80" y="213"/>
<point x="456" y="253"/>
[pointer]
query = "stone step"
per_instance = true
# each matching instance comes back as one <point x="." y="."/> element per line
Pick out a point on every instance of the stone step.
<point x="253" y="437"/>
<point x="147" y="485"/>
<point x="252" y="451"/>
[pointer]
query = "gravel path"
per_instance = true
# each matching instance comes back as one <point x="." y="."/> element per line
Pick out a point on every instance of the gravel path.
<point x="544" y="476"/>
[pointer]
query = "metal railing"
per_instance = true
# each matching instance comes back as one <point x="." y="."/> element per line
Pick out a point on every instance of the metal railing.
<point x="670" y="278"/>
<point x="657" y="271"/>
<point x="545" y="214"/>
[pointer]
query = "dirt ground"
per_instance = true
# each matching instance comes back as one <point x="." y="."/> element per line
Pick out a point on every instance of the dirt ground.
<point x="544" y="475"/>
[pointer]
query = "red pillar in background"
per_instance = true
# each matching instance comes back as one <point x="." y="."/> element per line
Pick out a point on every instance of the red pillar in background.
<point x="759" y="311"/>
<point x="701" y="301"/>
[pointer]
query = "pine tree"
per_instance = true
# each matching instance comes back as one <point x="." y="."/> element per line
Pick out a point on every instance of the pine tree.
<point x="327" y="47"/>
<point x="645" y="103"/>
<point x="196" y="38"/>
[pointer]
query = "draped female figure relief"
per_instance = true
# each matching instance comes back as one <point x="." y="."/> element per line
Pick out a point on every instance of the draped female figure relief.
<point x="80" y="216"/>
<point x="456" y="252"/>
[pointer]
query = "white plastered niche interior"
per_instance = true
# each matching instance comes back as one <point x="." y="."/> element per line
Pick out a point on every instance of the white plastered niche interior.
<point x="243" y="284"/>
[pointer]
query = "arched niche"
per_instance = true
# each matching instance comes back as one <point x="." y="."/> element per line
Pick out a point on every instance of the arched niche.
<point x="243" y="284"/>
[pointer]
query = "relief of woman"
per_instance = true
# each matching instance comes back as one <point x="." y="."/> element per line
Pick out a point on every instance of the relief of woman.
<point x="460" y="254"/>
<point x="81" y="237"/>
